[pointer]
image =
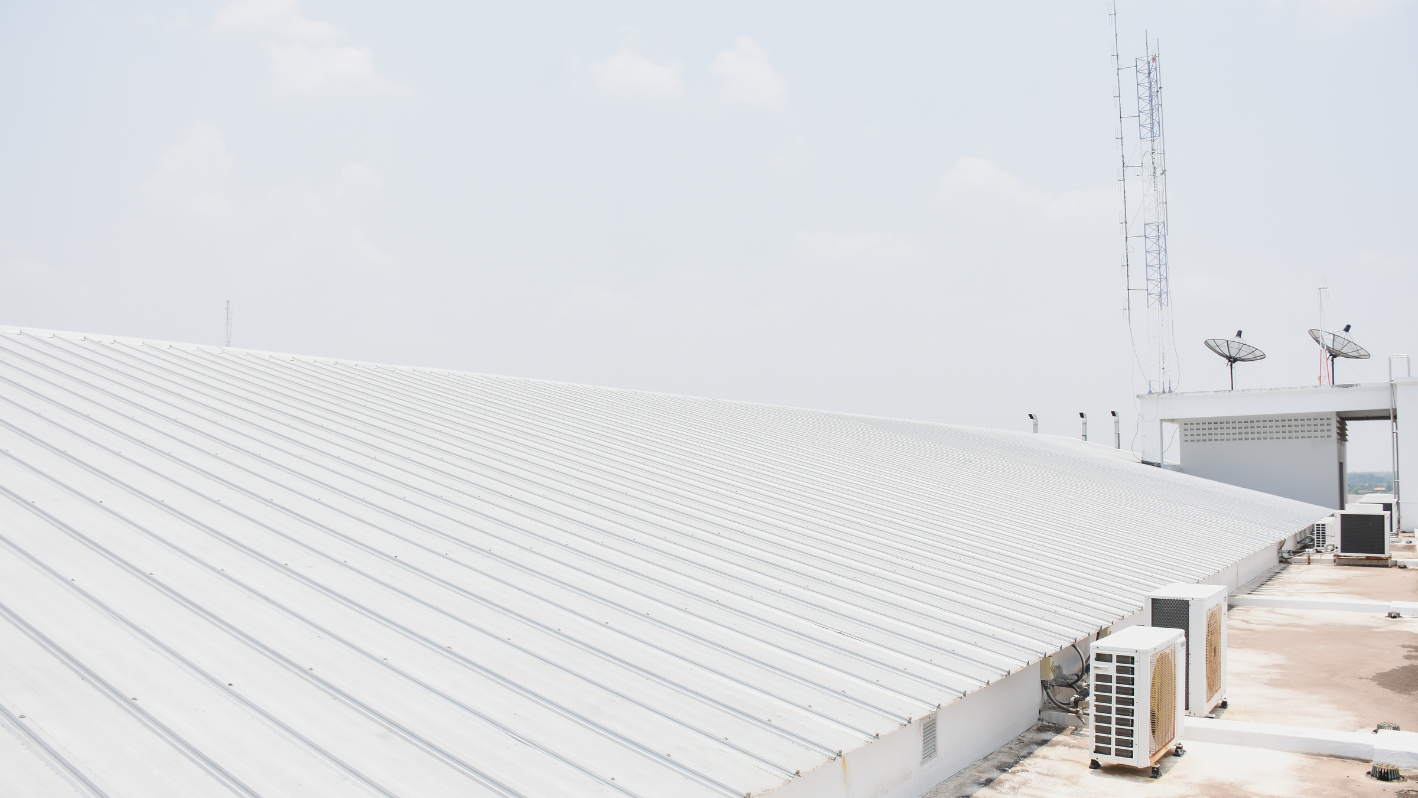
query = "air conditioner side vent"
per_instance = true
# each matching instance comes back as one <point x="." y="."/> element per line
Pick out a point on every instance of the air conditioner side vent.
<point x="1215" y="619"/>
<point x="1169" y="613"/>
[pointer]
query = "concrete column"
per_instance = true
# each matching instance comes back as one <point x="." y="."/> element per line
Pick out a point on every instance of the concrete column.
<point x="1150" y="426"/>
<point x="1408" y="450"/>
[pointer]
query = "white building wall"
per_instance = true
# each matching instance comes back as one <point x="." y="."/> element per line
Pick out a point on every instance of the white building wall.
<point x="1369" y="400"/>
<point x="1298" y="456"/>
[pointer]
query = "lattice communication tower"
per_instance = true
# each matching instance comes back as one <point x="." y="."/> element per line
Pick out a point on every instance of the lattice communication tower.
<point x="1154" y="214"/>
<point x="1148" y="220"/>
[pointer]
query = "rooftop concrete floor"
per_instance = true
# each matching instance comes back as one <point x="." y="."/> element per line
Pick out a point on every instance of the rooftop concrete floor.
<point x="1324" y="578"/>
<point x="1047" y="762"/>
<point x="1332" y="670"/>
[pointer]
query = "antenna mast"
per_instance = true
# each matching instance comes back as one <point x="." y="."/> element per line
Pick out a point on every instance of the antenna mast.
<point x="1125" y="219"/>
<point x="228" y="323"/>
<point x="1324" y="356"/>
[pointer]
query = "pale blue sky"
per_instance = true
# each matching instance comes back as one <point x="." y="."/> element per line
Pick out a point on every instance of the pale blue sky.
<point x="902" y="209"/>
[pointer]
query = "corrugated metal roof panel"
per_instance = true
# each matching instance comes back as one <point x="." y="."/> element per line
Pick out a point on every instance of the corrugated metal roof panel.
<point x="225" y="571"/>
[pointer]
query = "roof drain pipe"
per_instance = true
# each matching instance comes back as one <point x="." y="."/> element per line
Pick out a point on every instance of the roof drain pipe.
<point x="1036" y="423"/>
<point x="1117" y="431"/>
<point x="1084" y="416"/>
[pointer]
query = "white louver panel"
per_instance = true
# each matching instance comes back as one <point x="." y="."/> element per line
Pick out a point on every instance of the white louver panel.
<point x="928" y="741"/>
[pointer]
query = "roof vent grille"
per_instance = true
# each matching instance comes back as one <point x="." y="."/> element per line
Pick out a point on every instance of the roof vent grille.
<point x="928" y="745"/>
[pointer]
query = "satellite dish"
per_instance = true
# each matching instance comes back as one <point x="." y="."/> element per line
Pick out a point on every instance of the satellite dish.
<point x="1235" y="351"/>
<point x="1338" y="345"/>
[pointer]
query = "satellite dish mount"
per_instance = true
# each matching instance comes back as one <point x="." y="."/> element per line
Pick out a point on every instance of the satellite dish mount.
<point x="1235" y="351"/>
<point x="1338" y="345"/>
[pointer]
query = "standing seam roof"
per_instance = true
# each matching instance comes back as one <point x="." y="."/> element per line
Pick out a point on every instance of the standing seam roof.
<point x="236" y="572"/>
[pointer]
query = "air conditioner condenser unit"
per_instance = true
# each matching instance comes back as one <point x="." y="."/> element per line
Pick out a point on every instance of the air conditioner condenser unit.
<point x="1199" y="611"/>
<point x="1374" y="509"/>
<point x="1322" y="533"/>
<point x="1361" y="535"/>
<point x="1136" y="680"/>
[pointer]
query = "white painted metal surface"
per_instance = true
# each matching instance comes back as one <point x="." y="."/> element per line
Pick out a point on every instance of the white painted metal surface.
<point x="226" y="572"/>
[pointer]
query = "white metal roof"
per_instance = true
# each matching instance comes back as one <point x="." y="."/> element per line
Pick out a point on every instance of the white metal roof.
<point x="235" y="572"/>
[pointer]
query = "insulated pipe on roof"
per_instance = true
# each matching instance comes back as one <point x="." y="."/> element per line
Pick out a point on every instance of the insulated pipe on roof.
<point x="1117" y="431"/>
<point x="1084" y="416"/>
<point x="1036" y="422"/>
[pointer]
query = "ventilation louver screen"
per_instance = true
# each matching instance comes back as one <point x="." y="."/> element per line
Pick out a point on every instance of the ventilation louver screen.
<point x="928" y="745"/>
<point x="1274" y="428"/>
<point x="1174" y="614"/>
<point x="1362" y="534"/>
<point x="1164" y="698"/>
<point x="1214" y="619"/>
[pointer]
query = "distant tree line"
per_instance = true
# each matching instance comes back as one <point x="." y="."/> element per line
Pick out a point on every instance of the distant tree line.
<point x="1370" y="481"/>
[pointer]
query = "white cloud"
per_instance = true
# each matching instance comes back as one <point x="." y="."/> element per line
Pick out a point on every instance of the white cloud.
<point x="358" y="176"/>
<point x="873" y="246"/>
<point x="298" y="67"/>
<point x="630" y="74"/>
<point x="1342" y="16"/>
<point x="308" y="60"/>
<point x="275" y="16"/>
<point x="318" y="227"/>
<point x="590" y="303"/>
<point x="190" y="176"/>
<point x="747" y="75"/>
<point x="179" y="21"/>
<point x="976" y="176"/>
<point x="975" y="180"/>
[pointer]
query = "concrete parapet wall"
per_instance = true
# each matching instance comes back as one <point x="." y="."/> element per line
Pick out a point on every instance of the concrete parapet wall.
<point x="966" y="730"/>
<point x="1244" y="571"/>
<point x="1295" y="739"/>
<point x="1404" y="608"/>
<point x="1396" y="748"/>
<point x="1389" y="747"/>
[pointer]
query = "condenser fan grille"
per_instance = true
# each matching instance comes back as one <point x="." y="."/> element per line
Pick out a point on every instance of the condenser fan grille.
<point x="1164" y="698"/>
<point x="1214" y="619"/>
